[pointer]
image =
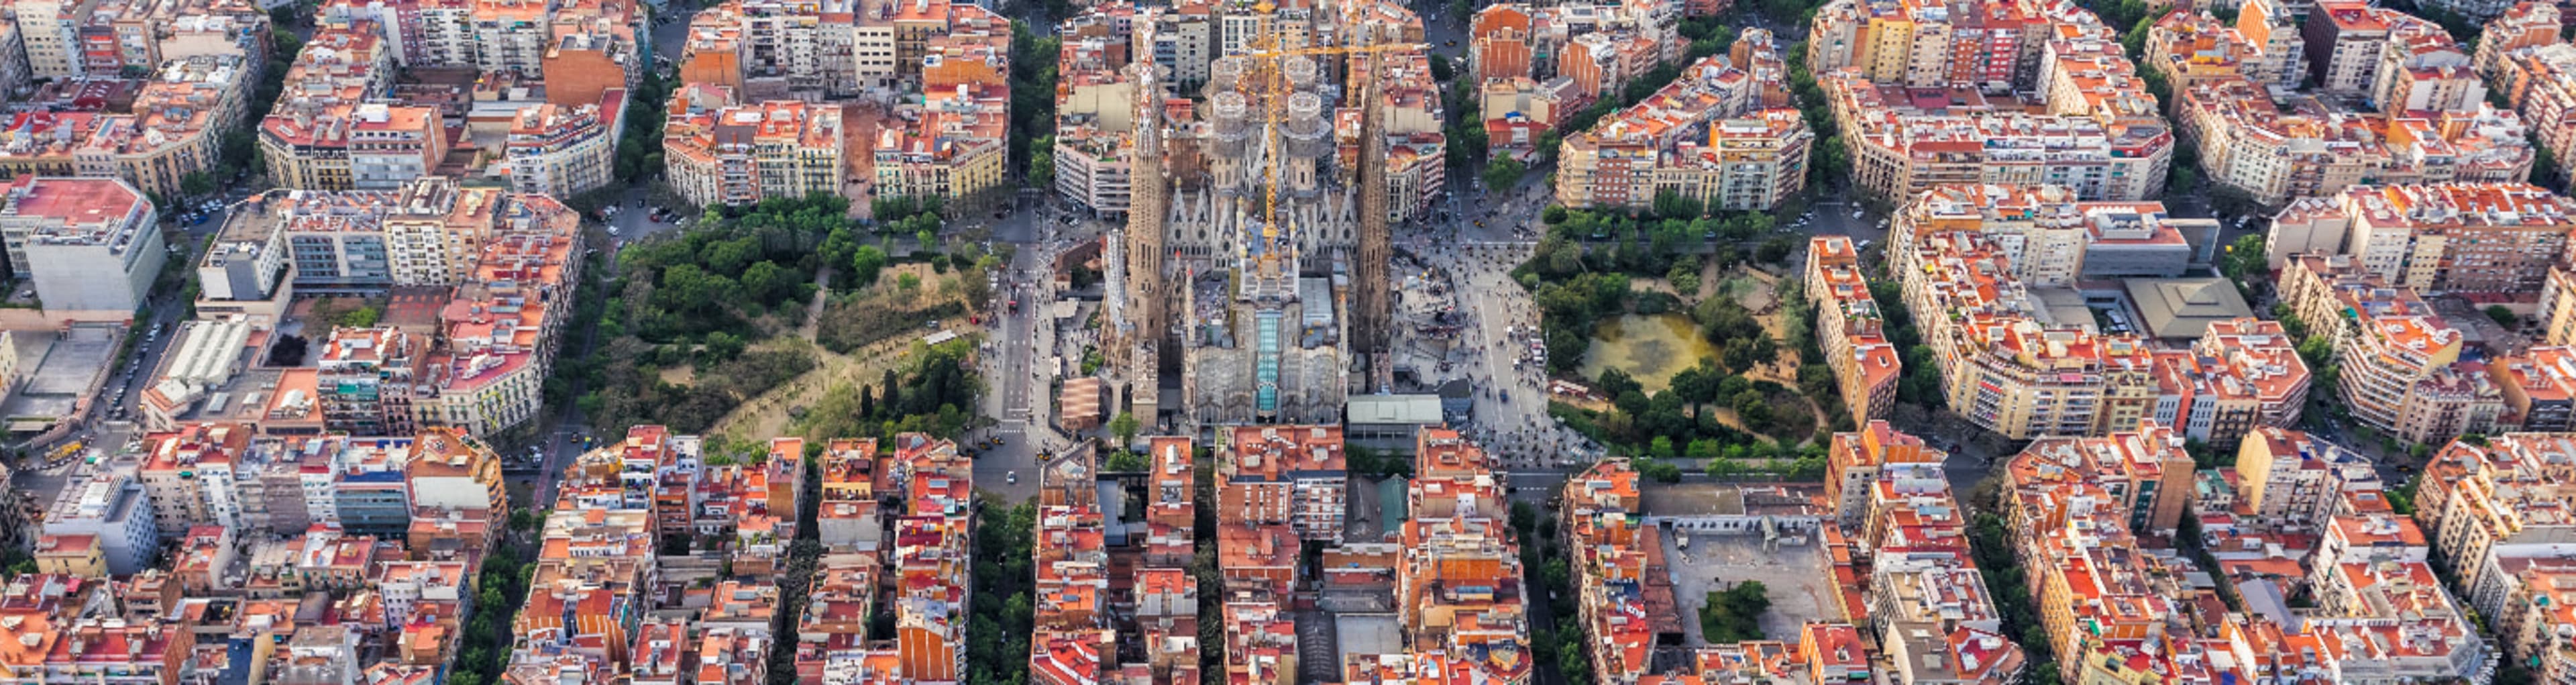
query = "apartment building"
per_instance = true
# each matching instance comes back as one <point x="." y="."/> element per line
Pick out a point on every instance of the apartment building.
<point x="2500" y="238"/>
<point x="178" y="119"/>
<point x="2535" y="70"/>
<point x="721" y="152"/>
<point x="1095" y="116"/>
<point x="1900" y="146"/>
<point x="1501" y="44"/>
<point x="564" y="150"/>
<point x="506" y="322"/>
<point x="2097" y="592"/>
<point x="1457" y="558"/>
<point x="1609" y="563"/>
<point x="2296" y="481"/>
<point x="2524" y="25"/>
<point x="1292" y="475"/>
<point x="2242" y="374"/>
<point x="1854" y="461"/>
<point x="1184" y="45"/>
<point x="1416" y="145"/>
<point x="581" y="67"/>
<point x="807" y="46"/>
<point x="2539" y="388"/>
<point x="2557" y="313"/>
<point x="1990" y="47"/>
<point x="2500" y="507"/>
<point x="368" y="375"/>
<point x="2402" y="370"/>
<point x="2053" y="239"/>
<point x="1708" y="137"/>
<point x="530" y="40"/>
<point x="2002" y="363"/>
<point x="849" y="518"/>
<point x="426" y="232"/>
<point x="41" y="143"/>
<point x="511" y="35"/>
<point x="1850" y="330"/>
<point x="2500" y="502"/>
<point x="931" y="559"/>
<point x="87" y="244"/>
<point x="327" y="133"/>
<point x="2432" y="125"/>
<point x="1093" y="153"/>
<point x="1523" y="112"/>
<point x="1562" y="57"/>
<point x="1074" y="642"/>
<point x="50" y="33"/>
<point x="2422" y="70"/>
<point x="915" y="22"/>
<point x="509" y="258"/>
<point x="712" y="51"/>
<point x="1601" y="63"/>
<point x="189" y="475"/>
<point x="2189" y="48"/>
<point x="952" y="147"/>
<point x="116" y="510"/>
<point x="390" y="145"/>
<point x="2344" y="40"/>
<point x="1917" y="589"/>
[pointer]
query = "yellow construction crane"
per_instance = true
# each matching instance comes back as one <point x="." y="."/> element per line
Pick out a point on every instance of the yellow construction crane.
<point x="1275" y="100"/>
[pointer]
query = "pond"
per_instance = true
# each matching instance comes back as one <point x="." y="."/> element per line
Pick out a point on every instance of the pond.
<point x="1651" y="348"/>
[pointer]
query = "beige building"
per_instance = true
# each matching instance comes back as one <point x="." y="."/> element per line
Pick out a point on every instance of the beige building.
<point x="2402" y="371"/>
<point x="2524" y="57"/>
<point x="308" y="138"/>
<point x="2430" y="124"/>
<point x="955" y="144"/>
<point x="2500" y="238"/>
<point x="179" y="119"/>
<point x="74" y="554"/>
<point x="2284" y="476"/>
<point x="1850" y="330"/>
<point x="2557" y="313"/>
<point x="1095" y="113"/>
<point x="2422" y="70"/>
<point x="720" y="152"/>
<point x="1995" y="49"/>
<point x="1710" y="137"/>
<point x="566" y="150"/>
<point x="1898" y="150"/>
<point x="2003" y="364"/>
<point x="2485" y="506"/>
<point x="2241" y="375"/>
<point x="2526" y="25"/>
<point x="2539" y="388"/>
<point x="956" y="148"/>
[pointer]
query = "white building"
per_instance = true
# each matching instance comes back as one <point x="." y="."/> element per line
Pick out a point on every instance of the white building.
<point x="114" y="507"/>
<point x="88" y="244"/>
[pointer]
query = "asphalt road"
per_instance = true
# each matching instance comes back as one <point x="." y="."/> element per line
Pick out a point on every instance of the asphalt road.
<point x="572" y="434"/>
<point x="111" y="426"/>
<point x="1016" y="402"/>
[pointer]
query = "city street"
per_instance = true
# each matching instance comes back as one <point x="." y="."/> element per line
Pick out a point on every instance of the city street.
<point x="1017" y="348"/>
<point x="109" y="427"/>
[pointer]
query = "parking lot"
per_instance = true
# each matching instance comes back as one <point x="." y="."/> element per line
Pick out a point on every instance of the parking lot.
<point x="1794" y="577"/>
